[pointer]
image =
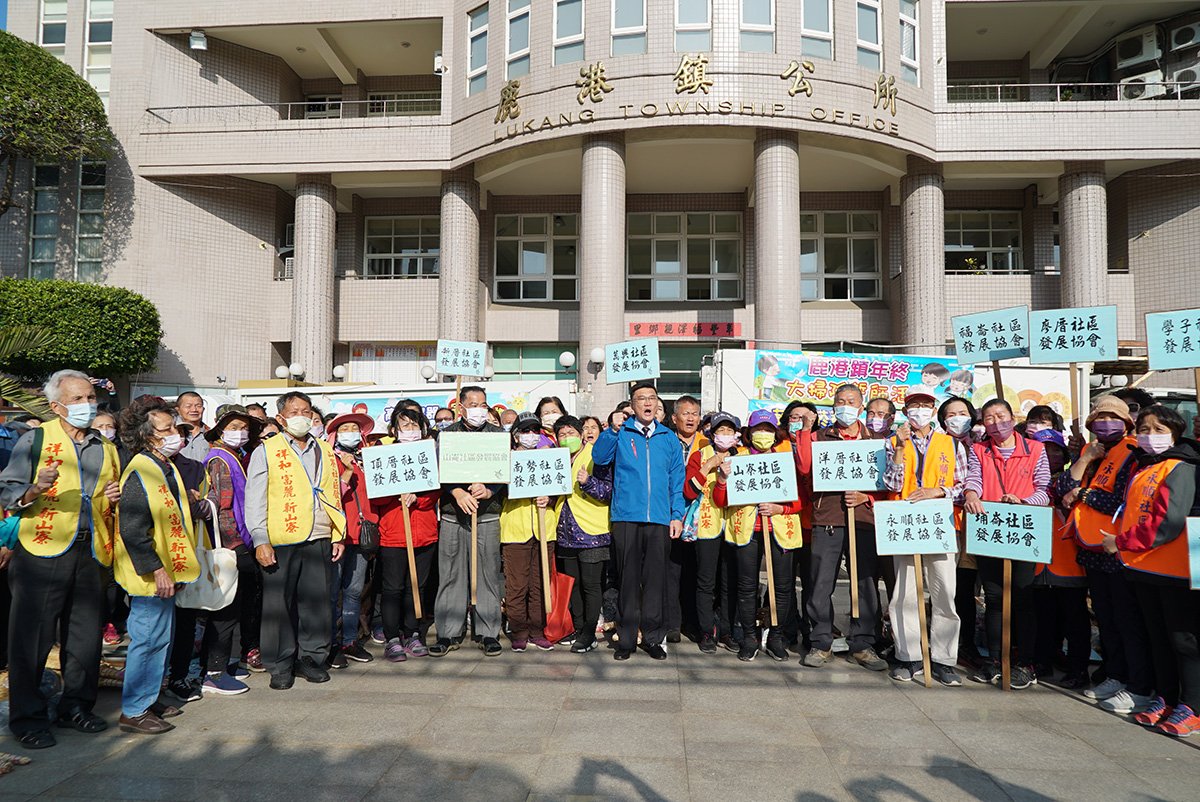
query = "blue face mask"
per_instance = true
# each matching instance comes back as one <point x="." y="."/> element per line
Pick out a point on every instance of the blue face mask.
<point x="796" y="426"/>
<point x="81" y="415"/>
<point x="845" y="415"/>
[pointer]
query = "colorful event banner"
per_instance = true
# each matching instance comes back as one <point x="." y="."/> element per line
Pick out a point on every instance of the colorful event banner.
<point x="400" y="468"/>
<point x="1193" y="536"/>
<point x="1011" y="531"/>
<point x="915" y="527"/>
<point x="848" y="465"/>
<point x="1173" y="339"/>
<point x="1062" y="336"/>
<point x="992" y="336"/>
<point x="542" y="472"/>
<point x="762" y="478"/>
<point x="466" y="457"/>
<point x="631" y="361"/>
<point x="455" y="358"/>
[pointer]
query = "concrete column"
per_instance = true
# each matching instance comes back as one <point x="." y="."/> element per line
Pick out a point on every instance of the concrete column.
<point x="1083" y="234"/>
<point x="602" y="268"/>
<point x="920" y="317"/>
<point x="312" y="278"/>
<point x="777" y="239"/>
<point x="458" y="284"/>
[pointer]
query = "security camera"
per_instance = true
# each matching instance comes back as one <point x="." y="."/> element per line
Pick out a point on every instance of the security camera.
<point x="439" y="66"/>
<point x="220" y="380"/>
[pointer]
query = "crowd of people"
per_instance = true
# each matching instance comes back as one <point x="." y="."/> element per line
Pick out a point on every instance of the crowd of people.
<point x="113" y="517"/>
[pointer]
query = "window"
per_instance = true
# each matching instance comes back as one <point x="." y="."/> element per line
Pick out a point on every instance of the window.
<point x="983" y="242"/>
<point x="984" y="90"/>
<point x="537" y="257"/>
<point x="693" y="26"/>
<point x="757" y="33"/>
<point x="403" y="104"/>
<point x="518" y="38"/>
<point x="680" y="366"/>
<point x="43" y="221"/>
<point x="673" y="257"/>
<point x="839" y="256"/>
<point x="816" y="38"/>
<point x="89" y="234"/>
<point x="568" y="31"/>
<point x="537" y="362"/>
<point x="910" y="42"/>
<point x="477" y="47"/>
<point x="870" y="49"/>
<point x="1057" y="229"/>
<point x="628" y="27"/>
<point x="322" y="107"/>
<point x="402" y="247"/>
<point x="53" y="29"/>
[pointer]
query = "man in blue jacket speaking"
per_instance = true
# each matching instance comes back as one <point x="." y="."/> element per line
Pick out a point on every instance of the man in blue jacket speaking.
<point x="646" y="513"/>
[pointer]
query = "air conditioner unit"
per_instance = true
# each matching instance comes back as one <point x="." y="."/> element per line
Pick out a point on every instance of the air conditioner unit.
<point x="1141" y="87"/>
<point x="287" y="266"/>
<point x="1138" y="47"/>
<point x="1187" y="76"/>
<point x="1186" y="36"/>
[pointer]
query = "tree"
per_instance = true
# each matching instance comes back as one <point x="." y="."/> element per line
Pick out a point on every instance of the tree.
<point x="105" y="331"/>
<point x="48" y="113"/>
<point x="16" y="340"/>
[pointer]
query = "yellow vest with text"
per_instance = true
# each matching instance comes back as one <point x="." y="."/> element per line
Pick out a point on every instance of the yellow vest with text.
<point x="174" y="534"/>
<point x="739" y="521"/>
<point x="48" y="526"/>
<point x="710" y="519"/>
<point x="519" y="524"/>
<point x="291" y="498"/>
<point x="589" y="513"/>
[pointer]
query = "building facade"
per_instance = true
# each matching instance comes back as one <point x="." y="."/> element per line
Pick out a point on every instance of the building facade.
<point x="342" y="184"/>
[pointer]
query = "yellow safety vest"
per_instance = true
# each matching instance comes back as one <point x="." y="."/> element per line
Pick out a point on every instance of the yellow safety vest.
<point x="787" y="530"/>
<point x="518" y="521"/>
<point x="711" y="520"/>
<point x="590" y="514"/>
<point x="174" y="535"/>
<point x="48" y="526"/>
<point x="291" y="498"/>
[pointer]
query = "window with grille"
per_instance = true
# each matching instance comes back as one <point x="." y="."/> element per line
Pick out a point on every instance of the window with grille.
<point x="983" y="242"/>
<point x="692" y="256"/>
<point x="840" y="256"/>
<point x="89" y="232"/>
<point x="402" y="247"/>
<point x="43" y="221"/>
<point x="537" y="257"/>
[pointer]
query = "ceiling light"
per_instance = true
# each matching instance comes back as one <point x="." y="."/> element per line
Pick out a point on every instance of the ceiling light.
<point x="406" y="44"/>
<point x="197" y="40"/>
<point x="301" y="50"/>
<point x="981" y="31"/>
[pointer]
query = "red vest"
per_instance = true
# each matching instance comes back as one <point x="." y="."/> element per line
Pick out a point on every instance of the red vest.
<point x="1014" y="475"/>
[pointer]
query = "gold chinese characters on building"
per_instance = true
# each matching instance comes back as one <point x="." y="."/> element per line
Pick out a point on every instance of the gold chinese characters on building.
<point x="510" y="107"/>
<point x="593" y="83"/>
<point x="800" y="83"/>
<point x="692" y="74"/>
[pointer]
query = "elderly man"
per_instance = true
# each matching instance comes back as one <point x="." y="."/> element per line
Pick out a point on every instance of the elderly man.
<point x="190" y="407"/>
<point x="62" y="482"/>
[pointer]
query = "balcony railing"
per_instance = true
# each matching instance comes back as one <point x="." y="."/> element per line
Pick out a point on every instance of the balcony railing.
<point x="1122" y="91"/>
<point x="414" y="104"/>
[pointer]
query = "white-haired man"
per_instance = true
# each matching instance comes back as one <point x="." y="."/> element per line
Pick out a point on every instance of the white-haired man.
<point x="62" y="480"/>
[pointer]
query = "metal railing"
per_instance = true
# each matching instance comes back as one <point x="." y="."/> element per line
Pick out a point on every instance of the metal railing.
<point x="411" y="104"/>
<point x="1120" y="91"/>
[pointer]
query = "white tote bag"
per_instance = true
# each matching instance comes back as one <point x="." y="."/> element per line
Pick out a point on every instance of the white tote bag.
<point x="216" y="587"/>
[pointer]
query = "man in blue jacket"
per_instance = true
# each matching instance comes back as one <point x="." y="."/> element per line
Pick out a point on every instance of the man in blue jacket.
<point x="646" y="513"/>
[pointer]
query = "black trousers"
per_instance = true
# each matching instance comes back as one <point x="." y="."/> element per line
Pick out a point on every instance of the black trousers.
<point x="1024" y="625"/>
<point x="673" y="604"/>
<point x="250" y="596"/>
<point x="116" y="601"/>
<point x="707" y="556"/>
<point x="220" y="625"/>
<point x="587" y="596"/>
<point x="1062" y="614"/>
<point x="183" y="644"/>
<point x="749" y="558"/>
<point x="53" y="599"/>
<point x="297" y="618"/>
<point x="1172" y="615"/>
<point x="830" y="545"/>
<point x="641" y="552"/>
<point x="797" y="627"/>
<point x="964" y="605"/>
<point x="1123" y="636"/>
<point x="396" y="601"/>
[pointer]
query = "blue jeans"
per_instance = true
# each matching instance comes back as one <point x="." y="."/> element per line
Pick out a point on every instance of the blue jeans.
<point x="346" y="581"/>
<point x="150" y="622"/>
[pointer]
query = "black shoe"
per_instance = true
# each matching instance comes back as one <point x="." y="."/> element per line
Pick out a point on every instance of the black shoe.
<point x="444" y="646"/>
<point x="747" y="652"/>
<point x="583" y="644"/>
<point x="1074" y="682"/>
<point x="571" y="638"/>
<point x="357" y="653"/>
<point x="656" y="651"/>
<point x="337" y="660"/>
<point x="622" y="654"/>
<point x="946" y="675"/>
<point x="82" y="721"/>
<point x="184" y="691"/>
<point x="37" y="739"/>
<point x="727" y="643"/>
<point x="307" y="667"/>
<point x="776" y="650"/>
<point x="708" y="644"/>
<point x="282" y="682"/>
<point x="491" y="647"/>
<point x="674" y="636"/>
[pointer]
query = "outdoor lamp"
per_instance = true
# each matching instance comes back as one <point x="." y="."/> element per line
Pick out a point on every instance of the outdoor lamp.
<point x="197" y="40"/>
<point x="566" y="359"/>
<point x="296" y="369"/>
<point x="281" y="372"/>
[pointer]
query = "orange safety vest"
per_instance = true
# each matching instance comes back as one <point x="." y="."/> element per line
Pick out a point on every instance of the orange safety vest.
<point x="937" y="469"/>
<point x="1063" y="551"/>
<point x="1086" y="521"/>
<point x="1169" y="559"/>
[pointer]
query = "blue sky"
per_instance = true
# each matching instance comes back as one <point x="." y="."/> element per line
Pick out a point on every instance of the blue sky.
<point x="3" y="14"/>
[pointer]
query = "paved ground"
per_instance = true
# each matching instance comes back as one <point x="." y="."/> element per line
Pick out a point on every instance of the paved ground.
<point x="561" y="726"/>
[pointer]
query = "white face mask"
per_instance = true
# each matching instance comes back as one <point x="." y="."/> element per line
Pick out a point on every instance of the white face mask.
<point x="476" y="417"/>
<point x="529" y="439"/>
<point x="1155" y="443"/>
<point x="318" y="429"/>
<point x="411" y="436"/>
<point x="235" y="439"/>
<point x="349" y="439"/>
<point x="171" y="445"/>
<point x="919" y="417"/>
<point x="958" y="425"/>
<point x="298" y="425"/>
<point x="550" y="418"/>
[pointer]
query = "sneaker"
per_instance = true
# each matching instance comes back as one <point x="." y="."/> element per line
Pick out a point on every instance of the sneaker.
<point x="355" y="651"/>
<point x="253" y="662"/>
<point x="413" y="647"/>
<point x="1181" y="723"/>
<point x="337" y="659"/>
<point x="1154" y="713"/>
<point x="1110" y="687"/>
<point x="393" y="652"/>
<point x="708" y="644"/>
<point x="491" y="647"/>
<point x="727" y="643"/>
<point x="443" y="646"/>
<point x="111" y="636"/>
<point x="674" y="636"/>
<point x="184" y="691"/>
<point x="986" y="674"/>
<point x="223" y="684"/>
<point x="519" y="645"/>
<point x="776" y="650"/>
<point x="946" y="675"/>
<point x="817" y="657"/>
<point x="377" y="635"/>
<point x="234" y="669"/>
<point x="1073" y="682"/>
<point x="583" y="644"/>
<point x="1126" y="702"/>
<point x="569" y="638"/>
<point x="543" y="644"/>
<point x="1021" y="678"/>
<point x="901" y="672"/>
<point x="869" y="660"/>
<point x="747" y="652"/>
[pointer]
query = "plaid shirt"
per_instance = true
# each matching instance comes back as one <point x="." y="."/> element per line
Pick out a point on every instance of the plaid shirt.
<point x="893" y="475"/>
